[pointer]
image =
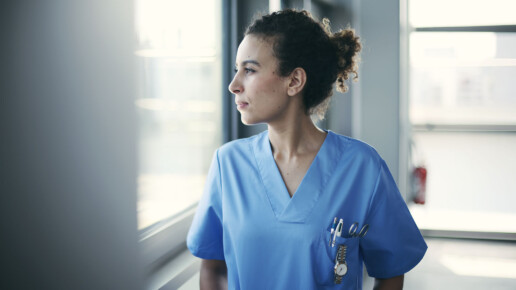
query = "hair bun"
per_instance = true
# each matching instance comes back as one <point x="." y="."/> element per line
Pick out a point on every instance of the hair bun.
<point x="347" y="45"/>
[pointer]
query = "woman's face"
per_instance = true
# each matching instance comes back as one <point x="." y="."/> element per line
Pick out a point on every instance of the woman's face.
<point x="260" y="92"/>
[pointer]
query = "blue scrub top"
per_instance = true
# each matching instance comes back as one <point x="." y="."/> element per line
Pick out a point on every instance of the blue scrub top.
<point x="272" y="241"/>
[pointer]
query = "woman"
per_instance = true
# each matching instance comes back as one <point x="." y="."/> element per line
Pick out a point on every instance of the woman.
<point x="297" y="207"/>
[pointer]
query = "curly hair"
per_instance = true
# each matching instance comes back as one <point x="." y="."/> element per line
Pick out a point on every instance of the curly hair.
<point x="300" y="41"/>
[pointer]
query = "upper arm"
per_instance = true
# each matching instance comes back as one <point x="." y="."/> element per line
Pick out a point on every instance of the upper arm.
<point x="394" y="283"/>
<point x="213" y="275"/>
<point x="215" y="266"/>
<point x="205" y="237"/>
<point x="393" y="245"/>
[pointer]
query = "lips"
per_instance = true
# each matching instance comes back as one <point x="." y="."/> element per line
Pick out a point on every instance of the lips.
<point x="241" y="105"/>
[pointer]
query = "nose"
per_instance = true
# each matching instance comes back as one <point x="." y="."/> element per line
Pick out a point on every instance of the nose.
<point x="235" y="87"/>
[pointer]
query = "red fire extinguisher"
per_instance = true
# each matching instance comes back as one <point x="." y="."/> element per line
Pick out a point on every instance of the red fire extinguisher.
<point x="418" y="175"/>
<point x="419" y="178"/>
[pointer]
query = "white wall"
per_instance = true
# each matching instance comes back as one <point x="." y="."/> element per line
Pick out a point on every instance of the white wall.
<point x="67" y="150"/>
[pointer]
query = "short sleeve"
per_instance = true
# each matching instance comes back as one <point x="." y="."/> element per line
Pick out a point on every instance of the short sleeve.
<point x="393" y="245"/>
<point x="204" y="238"/>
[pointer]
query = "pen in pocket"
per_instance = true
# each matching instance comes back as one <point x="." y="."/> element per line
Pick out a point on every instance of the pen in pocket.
<point x="334" y="225"/>
<point x="338" y="231"/>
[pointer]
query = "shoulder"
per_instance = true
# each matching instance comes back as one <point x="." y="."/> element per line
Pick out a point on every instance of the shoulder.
<point x="357" y="150"/>
<point x="239" y="146"/>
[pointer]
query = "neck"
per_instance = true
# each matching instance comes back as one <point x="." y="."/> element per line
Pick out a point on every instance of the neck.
<point x="296" y="137"/>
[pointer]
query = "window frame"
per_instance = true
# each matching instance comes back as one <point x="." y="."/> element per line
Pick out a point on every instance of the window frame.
<point x="160" y="243"/>
<point x="166" y="239"/>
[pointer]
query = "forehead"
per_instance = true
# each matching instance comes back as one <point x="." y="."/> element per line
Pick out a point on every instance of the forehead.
<point x="255" y="48"/>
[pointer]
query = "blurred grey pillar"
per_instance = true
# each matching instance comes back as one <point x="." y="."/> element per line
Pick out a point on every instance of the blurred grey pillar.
<point x="376" y="103"/>
<point x="67" y="146"/>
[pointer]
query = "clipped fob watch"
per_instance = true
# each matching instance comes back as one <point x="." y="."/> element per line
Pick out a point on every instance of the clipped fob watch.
<point x="341" y="268"/>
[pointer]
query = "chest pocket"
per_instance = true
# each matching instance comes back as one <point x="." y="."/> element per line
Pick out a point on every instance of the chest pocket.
<point x="326" y="259"/>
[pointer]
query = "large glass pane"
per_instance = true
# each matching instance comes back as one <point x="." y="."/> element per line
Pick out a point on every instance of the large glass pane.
<point x="433" y="13"/>
<point x="464" y="82"/>
<point x="179" y="103"/>
<point x="463" y="78"/>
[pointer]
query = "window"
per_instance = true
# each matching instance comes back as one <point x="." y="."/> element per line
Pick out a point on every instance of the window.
<point x="460" y="13"/>
<point x="463" y="111"/>
<point x="462" y="58"/>
<point x="463" y="78"/>
<point x="179" y="104"/>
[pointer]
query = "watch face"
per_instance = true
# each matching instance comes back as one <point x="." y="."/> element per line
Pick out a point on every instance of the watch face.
<point x="341" y="269"/>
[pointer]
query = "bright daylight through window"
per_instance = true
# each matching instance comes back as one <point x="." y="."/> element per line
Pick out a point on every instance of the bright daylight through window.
<point x="179" y="103"/>
<point x="462" y="77"/>
<point x="463" y="111"/>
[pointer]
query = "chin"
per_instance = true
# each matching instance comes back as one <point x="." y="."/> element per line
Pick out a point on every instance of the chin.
<point x="248" y="121"/>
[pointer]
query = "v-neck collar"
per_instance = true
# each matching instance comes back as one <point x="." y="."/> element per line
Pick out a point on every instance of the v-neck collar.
<point x="296" y="208"/>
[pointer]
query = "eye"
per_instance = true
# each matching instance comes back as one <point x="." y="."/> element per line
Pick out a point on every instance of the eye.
<point x="247" y="70"/>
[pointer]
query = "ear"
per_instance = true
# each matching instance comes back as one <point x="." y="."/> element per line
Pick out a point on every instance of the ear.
<point x="297" y="81"/>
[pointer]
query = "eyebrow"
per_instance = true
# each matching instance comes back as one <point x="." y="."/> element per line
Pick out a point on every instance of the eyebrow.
<point x="250" y="61"/>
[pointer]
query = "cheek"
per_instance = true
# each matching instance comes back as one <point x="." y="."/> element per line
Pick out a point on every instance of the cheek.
<point x="264" y="88"/>
<point x="273" y="86"/>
